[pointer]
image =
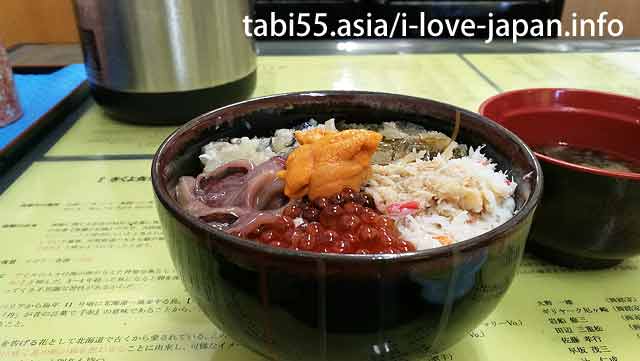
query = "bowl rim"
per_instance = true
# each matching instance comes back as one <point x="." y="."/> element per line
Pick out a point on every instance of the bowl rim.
<point x="454" y="249"/>
<point x="561" y="163"/>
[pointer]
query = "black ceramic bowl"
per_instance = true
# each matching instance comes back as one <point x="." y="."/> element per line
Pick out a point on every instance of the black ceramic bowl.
<point x="588" y="217"/>
<point x="290" y="305"/>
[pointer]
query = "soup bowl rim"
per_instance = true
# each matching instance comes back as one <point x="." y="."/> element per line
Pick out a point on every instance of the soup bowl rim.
<point x="556" y="161"/>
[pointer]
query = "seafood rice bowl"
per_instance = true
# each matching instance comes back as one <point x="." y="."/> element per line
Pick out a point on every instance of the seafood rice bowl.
<point x="384" y="229"/>
<point x="338" y="187"/>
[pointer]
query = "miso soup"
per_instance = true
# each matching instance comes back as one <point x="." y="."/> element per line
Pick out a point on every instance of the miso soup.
<point x="589" y="158"/>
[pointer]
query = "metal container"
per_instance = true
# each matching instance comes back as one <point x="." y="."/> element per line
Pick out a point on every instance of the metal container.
<point x="166" y="61"/>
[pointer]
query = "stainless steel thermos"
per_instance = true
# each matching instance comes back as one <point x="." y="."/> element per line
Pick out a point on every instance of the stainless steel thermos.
<point x="166" y="61"/>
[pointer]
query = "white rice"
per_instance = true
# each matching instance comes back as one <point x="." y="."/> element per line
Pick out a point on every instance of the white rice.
<point x="254" y="149"/>
<point x="456" y="198"/>
<point x="216" y="154"/>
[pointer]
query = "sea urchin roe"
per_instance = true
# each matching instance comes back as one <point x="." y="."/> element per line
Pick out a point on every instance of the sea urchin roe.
<point x="346" y="222"/>
<point x="328" y="161"/>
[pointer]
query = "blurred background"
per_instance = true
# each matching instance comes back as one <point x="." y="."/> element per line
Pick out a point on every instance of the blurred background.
<point x="52" y="21"/>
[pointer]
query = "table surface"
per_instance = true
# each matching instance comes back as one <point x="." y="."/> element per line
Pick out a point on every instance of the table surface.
<point x="84" y="270"/>
<point x="38" y="54"/>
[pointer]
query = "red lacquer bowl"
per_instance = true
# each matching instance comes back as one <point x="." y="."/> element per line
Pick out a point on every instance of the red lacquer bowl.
<point x="588" y="217"/>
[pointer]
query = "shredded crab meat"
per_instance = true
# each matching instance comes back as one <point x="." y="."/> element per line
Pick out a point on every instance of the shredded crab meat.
<point x="471" y="183"/>
<point x="441" y="201"/>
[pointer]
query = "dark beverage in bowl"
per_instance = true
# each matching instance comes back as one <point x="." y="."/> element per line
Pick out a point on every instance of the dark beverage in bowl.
<point x="587" y="143"/>
<point x="588" y="157"/>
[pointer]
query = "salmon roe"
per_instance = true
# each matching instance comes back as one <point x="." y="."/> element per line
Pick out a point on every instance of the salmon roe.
<point x="347" y="222"/>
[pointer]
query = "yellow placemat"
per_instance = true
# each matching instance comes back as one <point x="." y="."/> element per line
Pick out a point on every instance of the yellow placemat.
<point x="613" y="72"/>
<point x="95" y="133"/>
<point x="442" y="77"/>
<point x="84" y="272"/>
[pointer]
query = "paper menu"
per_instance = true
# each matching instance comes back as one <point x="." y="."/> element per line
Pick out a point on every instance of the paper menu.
<point x="613" y="72"/>
<point x="553" y="313"/>
<point x="95" y="133"/>
<point x="84" y="272"/>
<point x="442" y="77"/>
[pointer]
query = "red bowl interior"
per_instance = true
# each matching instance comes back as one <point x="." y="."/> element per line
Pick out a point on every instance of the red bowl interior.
<point x="581" y="118"/>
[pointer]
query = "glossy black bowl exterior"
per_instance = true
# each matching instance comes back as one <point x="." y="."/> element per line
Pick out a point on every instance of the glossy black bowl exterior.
<point x="588" y="217"/>
<point x="586" y="220"/>
<point x="291" y="305"/>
